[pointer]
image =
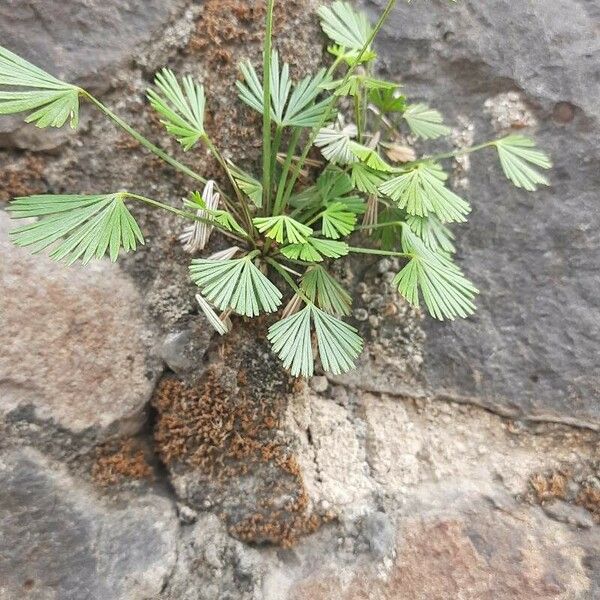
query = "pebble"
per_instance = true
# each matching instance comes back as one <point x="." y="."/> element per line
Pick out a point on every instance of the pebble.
<point x="360" y="314"/>
<point x="319" y="384"/>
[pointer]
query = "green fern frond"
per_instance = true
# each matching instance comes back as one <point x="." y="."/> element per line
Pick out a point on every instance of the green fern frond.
<point x="296" y="110"/>
<point x="344" y="26"/>
<point x="354" y="84"/>
<point x="433" y="234"/>
<point x="446" y="291"/>
<point x="315" y="249"/>
<point x="388" y="100"/>
<point x="226" y="220"/>
<point x="421" y="191"/>
<point x="425" y="122"/>
<point x="181" y="108"/>
<point x="365" y="179"/>
<point x="517" y="153"/>
<point x="48" y="101"/>
<point x="291" y="341"/>
<point x="301" y="110"/>
<point x="333" y="183"/>
<point x="323" y="289"/>
<point x="338" y="343"/>
<point x="350" y="57"/>
<point x="236" y="284"/>
<point x="335" y="144"/>
<point x="369" y="157"/>
<point x="247" y="184"/>
<point x="336" y="221"/>
<point x="82" y="227"/>
<point x="282" y="228"/>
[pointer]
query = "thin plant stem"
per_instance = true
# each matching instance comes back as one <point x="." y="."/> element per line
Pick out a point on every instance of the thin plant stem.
<point x="286" y="170"/>
<point x="380" y="225"/>
<point x="287" y="277"/>
<point x="358" y="115"/>
<point x="243" y="204"/>
<point x="334" y="66"/>
<point x="186" y="215"/>
<point x="267" y="103"/>
<point x="274" y="150"/>
<point x="357" y="250"/>
<point x="333" y="100"/>
<point x="454" y="154"/>
<point x="283" y="177"/>
<point x="142" y="140"/>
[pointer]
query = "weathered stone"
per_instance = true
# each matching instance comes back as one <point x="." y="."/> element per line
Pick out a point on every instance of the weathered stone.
<point x="74" y="343"/>
<point x="213" y="566"/>
<point x="532" y="348"/>
<point x="567" y="513"/>
<point x="59" y="540"/>
<point x="468" y="550"/>
<point x="78" y="41"/>
<point x="222" y="442"/>
<point x="184" y="347"/>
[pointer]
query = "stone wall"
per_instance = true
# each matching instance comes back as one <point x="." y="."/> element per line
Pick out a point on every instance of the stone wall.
<point x="142" y="459"/>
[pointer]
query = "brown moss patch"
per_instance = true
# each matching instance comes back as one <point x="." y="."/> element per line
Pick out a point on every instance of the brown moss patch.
<point x="550" y="486"/>
<point x="22" y="178"/>
<point x="114" y="466"/>
<point x="582" y="489"/>
<point x="224" y="438"/>
<point x="589" y="498"/>
<point x="229" y="31"/>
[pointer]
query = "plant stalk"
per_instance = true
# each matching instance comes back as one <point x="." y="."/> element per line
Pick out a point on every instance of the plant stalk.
<point x="142" y="140"/>
<point x="333" y="100"/>
<point x="243" y="204"/>
<point x="357" y="250"/>
<point x="267" y="105"/>
<point x="185" y="215"/>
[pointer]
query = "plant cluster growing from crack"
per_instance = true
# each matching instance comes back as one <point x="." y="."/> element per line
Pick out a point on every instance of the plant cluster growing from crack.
<point x="294" y="220"/>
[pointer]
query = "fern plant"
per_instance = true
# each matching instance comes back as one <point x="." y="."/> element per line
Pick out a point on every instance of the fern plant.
<point x="289" y="223"/>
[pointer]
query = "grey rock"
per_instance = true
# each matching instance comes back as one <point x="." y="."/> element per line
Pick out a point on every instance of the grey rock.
<point x="567" y="513"/>
<point x="456" y="546"/>
<point x="213" y="566"/>
<point x="532" y="348"/>
<point x="379" y="531"/>
<point x="319" y="384"/>
<point x="78" y="41"/>
<point x="183" y="349"/>
<point x="75" y="345"/>
<point x="59" y="540"/>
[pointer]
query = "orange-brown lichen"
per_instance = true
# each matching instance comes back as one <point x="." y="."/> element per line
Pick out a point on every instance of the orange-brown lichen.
<point x="226" y="433"/>
<point x="560" y="485"/>
<point x="550" y="486"/>
<point x="114" y="466"/>
<point x="23" y="178"/>
<point x="589" y="498"/>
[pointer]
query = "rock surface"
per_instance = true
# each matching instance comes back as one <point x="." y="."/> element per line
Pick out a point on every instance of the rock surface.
<point x="78" y="41"/>
<point x="60" y="540"/>
<point x="357" y="487"/>
<point x="532" y="348"/>
<point x="74" y="343"/>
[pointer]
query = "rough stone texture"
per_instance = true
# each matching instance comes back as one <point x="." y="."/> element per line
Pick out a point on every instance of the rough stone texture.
<point x="470" y="551"/>
<point x="74" y="343"/>
<point x="223" y="442"/>
<point x="408" y="498"/>
<point x="532" y="349"/>
<point x="78" y="41"/>
<point x="60" y="540"/>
